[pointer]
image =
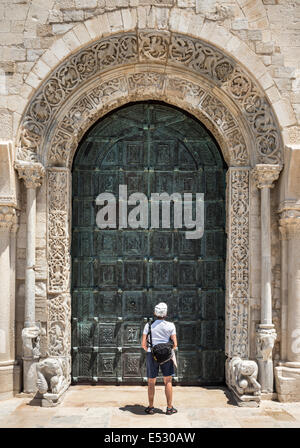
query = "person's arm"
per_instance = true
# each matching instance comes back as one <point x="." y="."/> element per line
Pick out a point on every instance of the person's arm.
<point x="174" y="339"/>
<point x="144" y="342"/>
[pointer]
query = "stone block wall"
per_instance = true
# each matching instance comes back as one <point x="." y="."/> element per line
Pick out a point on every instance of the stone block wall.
<point x="270" y="28"/>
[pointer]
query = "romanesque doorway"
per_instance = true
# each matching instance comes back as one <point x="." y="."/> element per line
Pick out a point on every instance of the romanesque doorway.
<point x="118" y="275"/>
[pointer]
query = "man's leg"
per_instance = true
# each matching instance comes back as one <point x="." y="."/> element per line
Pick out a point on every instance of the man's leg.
<point x="168" y="390"/>
<point x="151" y="391"/>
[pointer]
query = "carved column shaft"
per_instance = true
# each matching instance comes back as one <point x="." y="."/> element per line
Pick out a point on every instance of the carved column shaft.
<point x="293" y="346"/>
<point x="287" y="373"/>
<point x="284" y="293"/>
<point x="7" y="315"/>
<point x="266" y="267"/>
<point x="30" y="258"/>
<point x="264" y="176"/>
<point x="32" y="173"/>
<point x="290" y="231"/>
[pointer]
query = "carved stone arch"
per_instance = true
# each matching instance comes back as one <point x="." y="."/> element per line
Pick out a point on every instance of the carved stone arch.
<point x="150" y="65"/>
<point x="138" y="83"/>
<point x="193" y="56"/>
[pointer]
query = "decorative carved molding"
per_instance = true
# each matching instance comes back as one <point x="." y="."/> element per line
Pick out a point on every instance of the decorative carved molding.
<point x="237" y="291"/>
<point x="200" y="57"/>
<point x="58" y="230"/>
<point x="99" y="100"/>
<point x="289" y="222"/>
<point x="265" y="175"/>
<point x="259" y="116"/>
<point x="31" y="173"/>
<point x="54" y="372"/>
<point x="59" y="325"/>
<point x="162" y="48"/>
<point x="8" y="218"/>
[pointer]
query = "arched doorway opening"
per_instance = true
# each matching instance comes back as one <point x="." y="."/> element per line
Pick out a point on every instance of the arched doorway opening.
<point x="118" y="275"/>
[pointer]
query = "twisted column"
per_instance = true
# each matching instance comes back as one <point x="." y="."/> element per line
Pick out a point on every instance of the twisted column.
<point x="264" y="176"/>
<point x="32" y="174"/>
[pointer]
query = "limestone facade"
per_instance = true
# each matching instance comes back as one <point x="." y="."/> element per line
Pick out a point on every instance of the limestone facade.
<point x="235" y="66"/>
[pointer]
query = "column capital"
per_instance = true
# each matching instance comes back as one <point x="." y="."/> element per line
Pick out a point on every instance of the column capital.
<point x="8" y="218"/>
<point x="289" y="219"/>
<point x="32" y="173"/>
<point x="265" y="174"/>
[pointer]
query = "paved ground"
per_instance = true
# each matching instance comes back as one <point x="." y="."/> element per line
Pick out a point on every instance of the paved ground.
<point x="123" y="407"/>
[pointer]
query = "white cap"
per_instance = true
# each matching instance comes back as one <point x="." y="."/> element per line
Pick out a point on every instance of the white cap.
<point x="161" y="309"/>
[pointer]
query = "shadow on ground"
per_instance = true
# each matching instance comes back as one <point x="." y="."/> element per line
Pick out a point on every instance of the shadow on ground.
<point x="137" y="409"/>
<point x="227" y="393"/>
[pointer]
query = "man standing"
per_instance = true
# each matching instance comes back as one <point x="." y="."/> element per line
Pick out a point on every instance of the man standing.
<point x="162" y="331"/>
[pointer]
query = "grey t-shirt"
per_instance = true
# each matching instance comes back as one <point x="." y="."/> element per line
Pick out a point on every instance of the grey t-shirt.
<point x="161" y="331"/>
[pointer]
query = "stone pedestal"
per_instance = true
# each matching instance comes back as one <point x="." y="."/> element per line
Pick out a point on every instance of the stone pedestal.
<point x="264" y="176"/>
<point x="287" y="374"/>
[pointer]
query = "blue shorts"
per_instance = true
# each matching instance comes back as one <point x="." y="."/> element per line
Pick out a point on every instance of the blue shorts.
<point x="167" y="368"/>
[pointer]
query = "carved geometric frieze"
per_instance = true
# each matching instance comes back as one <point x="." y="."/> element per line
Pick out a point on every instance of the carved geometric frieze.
<point x="163" y="49"/>
<point x="237" y="291"/>
<point x="58" y="230"/>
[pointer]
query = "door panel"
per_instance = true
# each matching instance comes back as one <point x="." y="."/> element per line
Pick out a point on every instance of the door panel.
<point x="119" y="275"/>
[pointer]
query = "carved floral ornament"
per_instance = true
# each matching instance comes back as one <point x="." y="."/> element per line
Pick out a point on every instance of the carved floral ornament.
<point x="31" y="173"/>
<point x="159" y="49"/>
<point x="265" y="175"/>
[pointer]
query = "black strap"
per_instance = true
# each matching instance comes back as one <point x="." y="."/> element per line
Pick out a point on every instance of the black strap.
<point x="149" y="334"/>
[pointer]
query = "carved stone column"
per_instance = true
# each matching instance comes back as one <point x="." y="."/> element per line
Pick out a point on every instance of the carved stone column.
<point x="241" y="373"/>
<point x="54" y="372"/>
<point x="8" y="367"/>
<point x="264" y="176"/>
<point x="287" y="374"/>
<point x="32" y="173"/>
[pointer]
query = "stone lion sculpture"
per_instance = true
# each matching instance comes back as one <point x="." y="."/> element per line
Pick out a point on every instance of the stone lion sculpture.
<point x="51" y="375"/>
<point x="244" y="376"/>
